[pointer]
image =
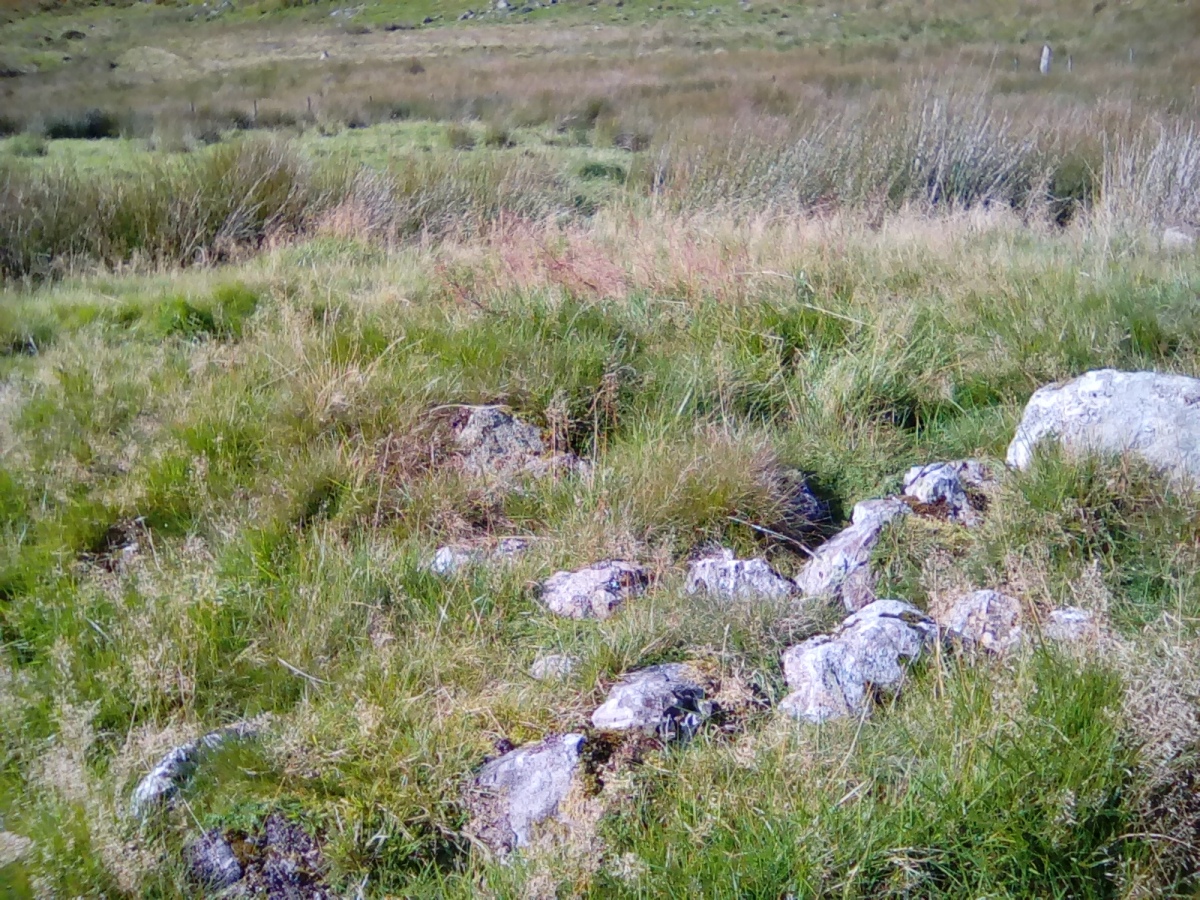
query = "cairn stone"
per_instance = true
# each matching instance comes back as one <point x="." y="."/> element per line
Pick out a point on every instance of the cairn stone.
<point x="666" y="700"/>
<point x="840" y="568"/>
<point x="725" y="577"/>
<point x="986" y="620"/>
<point x="948" y="487"/>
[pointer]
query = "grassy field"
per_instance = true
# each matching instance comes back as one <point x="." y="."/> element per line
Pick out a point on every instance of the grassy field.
<point x="697" y="244"/>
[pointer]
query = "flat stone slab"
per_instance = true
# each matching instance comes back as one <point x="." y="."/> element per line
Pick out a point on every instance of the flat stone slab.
<point x="666" y="700"/>
<point x="1070" y="625"/>
<point x="555" y="667"/>
<point x="520" y="790"/>
<point x="838" y="675"/>
<point x="594" y="592"/>
<point x="1156" y="417"/>
<point x="452" y="559"/>
<point x="729" y="578"/>
<point x="986" y="620"/>
<point x="947" y="486"/>
<point x="840" y="568"/>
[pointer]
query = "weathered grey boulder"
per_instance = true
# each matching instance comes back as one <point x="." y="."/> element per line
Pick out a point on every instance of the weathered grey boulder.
<point x="1154" y="416"/>
<point x="554" y="667"/>
<point x="451" y="559"/>
<point x="1070" y="624"/>
<point x="840" y="568"/>
<point x="948" y="487"/>
<point x="514" y="794"/>
<point x="728" y="578"/>
<point x="838" y="675"/>
<point x="986" y="620"/>
<point x="1178" y="238"/>
<point x="667" y="700"/>
<point x="594" y="592"/>
<point x="493" y="443"/>
<point x="212" y="861"/>
<point x="177" y="767"/>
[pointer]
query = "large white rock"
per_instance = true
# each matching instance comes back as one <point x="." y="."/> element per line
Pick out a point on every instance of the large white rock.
<point x="594" y="592"/>
<point x="523" y="788"/>
<point x="840" y="568"/>
<point x="1154" y="416"/>
<point x="728" y="578"/>
<point x="945" y="486"/>
<point x="667" y="700"/>
<point x="836" y="676"/>
<point x="986" y="620"/>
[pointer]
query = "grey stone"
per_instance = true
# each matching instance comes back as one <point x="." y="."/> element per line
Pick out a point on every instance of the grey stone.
<point x="728" y="578"/>
<point x="840" y="568"/>
<point x="523" y="788"/>
<point x="451" y="559"/>
<point x="177" y="767"/>
<point x="1178" y="239"/>
<point x="1045" y="61"/>
<point x="212" y="861"/>
<point x="1156" y="417"/>
<point x="594" y="592"/>
<point x="1070" y="624"/>
<point x="986" y="620"/>
<point x="837" y="676"/>
<point x="667" y="700"/>
<point x="945" y="486"/>
<point x="493" y="443"/>
<point x="554" y="667"/>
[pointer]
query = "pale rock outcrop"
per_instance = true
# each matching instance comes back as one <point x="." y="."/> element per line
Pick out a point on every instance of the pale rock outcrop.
<point x="840" y="568"/>
<point x="1156" y="417"/>
<point x="554" y="667"/>
<point x="667" y="700"/>
<point x="493" y="443"/>
<point x="838" y="675"/>
<point x="948" y="486"/>
<point x="729" y="578"/>
<point x="520" y="790"/>
<point x="985" y="620"/>
<point x="594" y="592"/>
<point x="1070" y="625"/>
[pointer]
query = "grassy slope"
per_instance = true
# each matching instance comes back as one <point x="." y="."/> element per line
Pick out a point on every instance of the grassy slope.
<point x="263" y="425"/>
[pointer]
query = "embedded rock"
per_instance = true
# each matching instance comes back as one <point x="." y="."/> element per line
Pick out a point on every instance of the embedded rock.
<point x="522" y="789"/>
<point x="986" y="620"/>
<point x="728" y="578"/>
<point x="554" y="667"/>
<point x="1154" y="416"/>
<point x="836" y="676"/>
<point x="492" y="442"/>
<point x="840" y="568"/>
<point x="1070" y="624"/>
<point x="666" y="700"/>
<point x="212" y="861"/>
<point x="947" y="487"/>
<point x="594" y="592"/>
<point x="177" y="767"/>
<point x="449" y="560"/>
<point x="1178" y="239"/>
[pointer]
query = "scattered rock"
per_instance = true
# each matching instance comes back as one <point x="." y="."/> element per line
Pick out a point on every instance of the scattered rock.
<point x="952" y="488"/>
<point x="1106" y="411"/>
<point x="836" y="676"/>
<point x="13" y="847"/>
<point x="737" y="579"/>
<point x="594" y="592"/>
<point x="449" y="560"/>
<point x="1070" y="624"/>
<point x="1178" y="239"/>
<point x="494" y="443"/>
<point x="514" y="794"/>
<point x="840" y="568"/>
<point x="666" y="700"/>
<point x="986" y="620"/>
<point x="177" y="767"/>
<point x="555" y="667"/>
<point x="212" y="861"/>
